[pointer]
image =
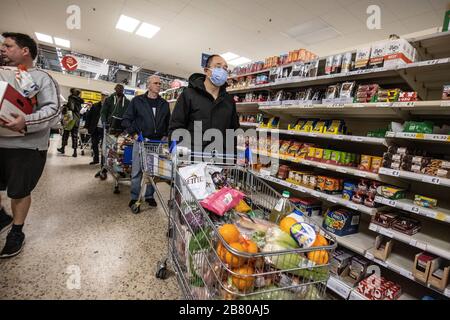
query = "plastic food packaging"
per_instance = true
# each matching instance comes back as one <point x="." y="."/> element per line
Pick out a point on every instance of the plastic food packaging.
<point x="222" y="201"/>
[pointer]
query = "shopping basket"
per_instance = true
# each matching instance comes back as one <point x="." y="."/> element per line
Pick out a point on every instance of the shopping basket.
<point x="207" y="267"/>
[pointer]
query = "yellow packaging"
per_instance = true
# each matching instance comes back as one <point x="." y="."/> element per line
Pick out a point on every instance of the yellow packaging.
<point x="307" y="127"/>
<point x="311" y="152"/>
<point x="319" y="127"/>
<point x="318" y="154"/>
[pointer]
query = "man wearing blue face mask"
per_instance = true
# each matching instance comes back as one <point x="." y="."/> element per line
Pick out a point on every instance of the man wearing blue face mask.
<point x="206" y="101"/>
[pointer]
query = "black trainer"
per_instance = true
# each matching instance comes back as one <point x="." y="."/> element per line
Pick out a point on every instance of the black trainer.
<point x="152" y="202"/>
<point x="14" y="245"/>
<point x="5" y="221"/>
<point x="61" y="150"/>
<point x="132" y="203"/>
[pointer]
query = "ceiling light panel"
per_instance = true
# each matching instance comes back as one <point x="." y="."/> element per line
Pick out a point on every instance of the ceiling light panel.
<point x="147" y="30"/>
<point x="239" y="61"/>
<point x="127" y="24"/>
<point x="62" y="42"/>
<point x="43" y="37"/>
<point x="229" y="56"/>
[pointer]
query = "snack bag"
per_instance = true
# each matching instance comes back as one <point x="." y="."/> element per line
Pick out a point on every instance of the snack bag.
<point x="195" y="178"/>
<point x="222" y="201"/>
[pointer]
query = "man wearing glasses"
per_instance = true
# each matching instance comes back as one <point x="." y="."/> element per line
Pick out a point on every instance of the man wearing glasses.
<point x="149" y="115"/>
<point x="206" y="102"/>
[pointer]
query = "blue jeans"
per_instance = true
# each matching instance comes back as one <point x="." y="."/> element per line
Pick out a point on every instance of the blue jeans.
<point x="136" y="177"/>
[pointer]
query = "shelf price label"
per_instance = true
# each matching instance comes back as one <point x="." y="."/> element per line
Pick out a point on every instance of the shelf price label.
<point x="415" y="210"/>
<point x="338" y="137"/>
<point x="336" y="106"/>
<point x="373" y="227"/>
<point x="408" y="135"/>
<point x="370" y="256"/>
<point x="341" y="170"/>
<point x="353" y="206"/>
<point x="392" y="203"/>
<point x="358" y="139"/>
<point x="420" y="136"/>
<point x="445" y="103"/>
<point x="440" y="216"/>
<point x="421" y="245"/>
<point x="383" y="105"/>
<point x="432" y="180"/>
<point x="386" y="232"/>
<point x="355" y="296"/>
<point x="338" y="287"/>
<point x="440" y="138"/>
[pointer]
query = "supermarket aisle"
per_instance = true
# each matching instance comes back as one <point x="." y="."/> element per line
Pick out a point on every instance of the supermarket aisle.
<point x="76" y="222"/>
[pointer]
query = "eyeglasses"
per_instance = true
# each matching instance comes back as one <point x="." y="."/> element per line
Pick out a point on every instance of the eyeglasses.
<point x="158" y="83"/>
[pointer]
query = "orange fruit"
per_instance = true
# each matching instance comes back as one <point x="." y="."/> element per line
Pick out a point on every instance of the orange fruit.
<point x="231" y="259"/>
<point x="221" y="252"/>
<point x="320" y="241"/>
<point x="229" y="233"/>
<point x="251" y="247"/>
<point x="320" y="257"/>
<point x="245" y="280"/>
<point x="287" y="223"/>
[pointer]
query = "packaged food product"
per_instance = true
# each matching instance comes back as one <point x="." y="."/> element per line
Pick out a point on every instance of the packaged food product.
<point x="304" y="234"/>
<point x="341" y="222"/>
<point x="308" y="126"/>
<point x="284" y="147"/>
<point x="327" y="155"/>
<point x="321" y="183"/>
<point x="362" y="58"/>
<point x="425" y="202"/>
<point x="366" y="163"/>
<point x="283" y="172"/>
<point x="425" y="127"/>
<point x="294" y="149"/>
<point x="384" y="219"/>
<point x="377" y="55"/>
<point x="335" y="127"/>
<point x="347" y="90"/>
<point x="318" y="155"/>
<point x="312" y="181"/>
<point x="336" y="156"/>
<point x="319" y="127"/>
<point x="309" y="207"/>
<point x="346" y="62"/>
<point x="376" y="164"/>
<point x="332" y="92"/>
<point x="408" y="96"/>
<point x="446" y="92"/>
<point x="391" y="193"/>
<point x="349" y="190"/>
<point x="337" y="64"/>
<point x="340" y="261"/>
<point x="332" y="185"/>
<point x="304" y="151"/>
<point x="406" y="225"/>
<point x="222" y="201"/>
<point x="329" y="65"/>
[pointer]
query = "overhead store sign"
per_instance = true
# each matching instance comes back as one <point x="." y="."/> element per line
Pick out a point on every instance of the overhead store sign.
<point x="71" y="63"/>
<point x="91" y="96"/>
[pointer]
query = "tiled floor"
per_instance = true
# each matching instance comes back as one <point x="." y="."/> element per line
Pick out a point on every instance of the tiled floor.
<point x="82" y="241"/>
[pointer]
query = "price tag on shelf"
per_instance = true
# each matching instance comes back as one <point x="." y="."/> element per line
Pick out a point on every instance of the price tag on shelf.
<point x="339" y="137"/>
<point x="406" y="273"/>
<point x="390" y="134"/>
<point x="415" y="209"/>
<point x="420" y="136"/>
<point x="314" y="135"/>
<point x="409" y="104"/>
<point x="373" y="227"/>
<point x="356" y="296"/>
<point x="380" y="262"/>
<point x="408" y="135"/>
<point x="432" y="180"/>
<point x="441" y="137"/>
<point x="445" y="103"/>
<point x="341" y="170"/>
<point x="386" y="232"/>
<point x="316" y="194"/>
<point x="361" y="174"/>
<point x="383" y="105"/>
<point x="332" y="200"/>
<point x="370" y="256"/>
<point x="421" y="245"/>
<point x="432" y="62"/>
<point x="336" y="106"/>
<point x="413" y="243"/>
<point x="340" y="288"/>
<point x="392" y="203"/>
<point x="358" y="139"/>
<point x="322" y="166"/>
<point x="353" y="206"/>
<point x="395" y="173"/>
<point x="440" y="216"/>
<point x="306" y="162"/>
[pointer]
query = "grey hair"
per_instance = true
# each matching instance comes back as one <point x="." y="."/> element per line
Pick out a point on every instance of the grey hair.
<point x="152" y="77"/>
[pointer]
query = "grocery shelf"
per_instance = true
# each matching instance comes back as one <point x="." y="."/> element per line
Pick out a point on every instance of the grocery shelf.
<point x="320" y="165"/>
<point x="243" y="107"/>
<point x="339" y="287"/>
<point x="249" y="124"/>
<point x="405" y="72"/>
<point x="358" y="139"/>
<point x="408" y="205"/>
<point x="433" y="46"/>
<point x="336" y="199"/>
<point x="396" y="110"/>
<point x="403" y="265"/>
<point x="437" y="242"/>
<point x="415" y="176"/>
<point x="434" y="138"/>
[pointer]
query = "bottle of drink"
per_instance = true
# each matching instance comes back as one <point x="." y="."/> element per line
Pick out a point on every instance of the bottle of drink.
<point x="282" y="209"/>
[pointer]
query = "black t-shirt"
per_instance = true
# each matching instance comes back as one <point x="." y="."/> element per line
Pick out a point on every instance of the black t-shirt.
<point x="154" y="104"/>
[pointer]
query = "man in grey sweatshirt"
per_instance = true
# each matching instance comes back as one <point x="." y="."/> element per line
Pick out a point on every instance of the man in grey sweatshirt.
<point x="22" y="158"/>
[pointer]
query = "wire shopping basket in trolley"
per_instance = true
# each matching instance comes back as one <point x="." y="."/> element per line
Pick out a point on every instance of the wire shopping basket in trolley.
<point x="222" y="245"/>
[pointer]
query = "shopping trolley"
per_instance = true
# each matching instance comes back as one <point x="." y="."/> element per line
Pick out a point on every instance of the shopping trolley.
<point x="207" y="267"/>
<point x="156" y="166"/>
<point x="117" y="159"/>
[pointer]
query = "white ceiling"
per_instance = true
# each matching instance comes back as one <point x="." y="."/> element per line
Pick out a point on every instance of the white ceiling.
<point x="253" y="28"/>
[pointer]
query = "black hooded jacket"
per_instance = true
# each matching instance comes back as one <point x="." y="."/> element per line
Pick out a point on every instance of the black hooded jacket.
<point x="196" y="104"/>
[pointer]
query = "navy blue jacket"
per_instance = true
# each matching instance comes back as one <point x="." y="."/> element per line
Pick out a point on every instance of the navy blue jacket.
<point x="139" y="118"/>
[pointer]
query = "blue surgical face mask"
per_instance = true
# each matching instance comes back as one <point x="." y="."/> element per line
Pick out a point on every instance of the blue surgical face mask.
<point x="219" y="76"/>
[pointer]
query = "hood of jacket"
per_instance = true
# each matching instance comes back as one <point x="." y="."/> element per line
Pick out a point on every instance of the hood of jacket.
<point x="197" y="82"/>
